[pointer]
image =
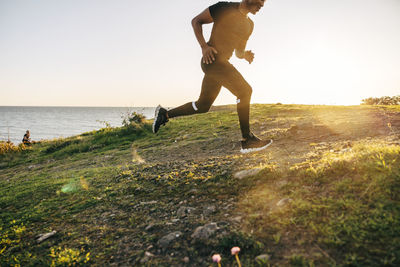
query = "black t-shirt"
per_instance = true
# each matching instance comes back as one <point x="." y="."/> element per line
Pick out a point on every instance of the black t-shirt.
<point x="230" y="29"/>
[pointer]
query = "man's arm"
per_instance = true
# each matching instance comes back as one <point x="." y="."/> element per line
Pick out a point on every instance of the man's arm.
<point x="197" y="23"/>
<point x="241" y="53"/>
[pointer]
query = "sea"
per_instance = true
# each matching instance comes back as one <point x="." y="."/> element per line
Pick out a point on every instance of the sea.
<point x="46" y="123"/>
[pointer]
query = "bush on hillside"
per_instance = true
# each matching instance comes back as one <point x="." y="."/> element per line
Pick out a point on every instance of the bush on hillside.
<point x="6" y="147"/>
<point x="384" y="100"/>
<point x="132" y="118"/>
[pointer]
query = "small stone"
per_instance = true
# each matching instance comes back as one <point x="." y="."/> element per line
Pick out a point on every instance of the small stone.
<point x="246" y="173"/>
<point x="43" y="237"/>
<point x="149" y="227"/>
<point x="183" y="211"/>
<point x="209" y="210"/>
<point x="204" y="232"/>
<point x="186" y="260"/>
<point x="166" y="240"/>
<point x="148" y="202"/>
<point x="264" y="258"/>
<point x="146" y="258"/>
<point x="283" y="202"/>
<point x="237" y="219"/>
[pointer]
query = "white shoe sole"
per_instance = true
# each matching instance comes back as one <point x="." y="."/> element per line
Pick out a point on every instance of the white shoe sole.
<point x="249" y="150"/>
<point x="155" y="117"/>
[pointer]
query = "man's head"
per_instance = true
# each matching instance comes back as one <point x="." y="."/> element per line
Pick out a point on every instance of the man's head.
<point x="253" y="6"/>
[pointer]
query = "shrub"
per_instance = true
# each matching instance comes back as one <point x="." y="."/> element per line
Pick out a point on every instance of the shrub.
<point x="132" y="118"/>
<point x="384" y="100"/>
<point x="6" y="147"/>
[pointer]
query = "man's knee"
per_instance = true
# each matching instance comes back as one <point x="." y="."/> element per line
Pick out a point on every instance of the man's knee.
<point x="249" y="90"/>
<point x="201" y="107"/>
<point x="245" y="95"/>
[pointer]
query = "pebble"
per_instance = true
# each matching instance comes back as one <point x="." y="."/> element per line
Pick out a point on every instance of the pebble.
<point x="148" y="202"/>
<point x="183" y="211"/>
<point x="283" y="202"/>
<point x="186" y="260"/>
<point x="246" y="173"/>
<point x="209" y="210"/>
<point x="166" y="240"/>
<point x="149" y="227"/>
<point x="204" y="232"/>
<point x="146" y="258"/>
<point x="43" y="237"/>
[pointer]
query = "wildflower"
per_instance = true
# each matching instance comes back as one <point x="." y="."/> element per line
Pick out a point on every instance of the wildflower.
<point x="235" y="251"/>
<point x="217" y="258"/>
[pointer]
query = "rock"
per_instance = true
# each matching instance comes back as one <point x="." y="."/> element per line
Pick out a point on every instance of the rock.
<point x="43" y="237"/>
<point x="183" y="211"/>
<point x="166" y="240"/>
<point x="186" y="260"/>
<point x="263" y="258"/>
<point x="283" y="202"/>
<point x="209" y="210"/>
<point x="149" y="227"/>
<point x="204" y="232"/>
<point x="237" y="219"/>
<point x="148" y="202"/>
<point x="146" y="258"/>
<point x="246" y="173"/>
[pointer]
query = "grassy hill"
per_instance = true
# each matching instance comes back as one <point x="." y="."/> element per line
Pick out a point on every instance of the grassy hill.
<point x="326" y="193"/>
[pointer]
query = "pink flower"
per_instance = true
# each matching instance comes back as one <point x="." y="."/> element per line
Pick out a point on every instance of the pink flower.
<point x="216" y="258"/>
<point x="235" y="250"/>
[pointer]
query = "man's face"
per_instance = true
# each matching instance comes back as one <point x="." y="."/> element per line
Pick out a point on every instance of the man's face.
<point x="255" y="5"/>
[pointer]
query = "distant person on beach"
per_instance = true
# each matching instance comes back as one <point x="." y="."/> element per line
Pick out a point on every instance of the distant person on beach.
<point x="231" y="30"/>
<point x="27" y="138"/>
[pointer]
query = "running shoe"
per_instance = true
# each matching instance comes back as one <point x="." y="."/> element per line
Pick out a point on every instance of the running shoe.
<point x="253" y="144"/>
<point x="160" y="118"/>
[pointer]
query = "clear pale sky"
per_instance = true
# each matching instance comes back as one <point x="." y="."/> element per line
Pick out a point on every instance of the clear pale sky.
<point x="142" y="53"/>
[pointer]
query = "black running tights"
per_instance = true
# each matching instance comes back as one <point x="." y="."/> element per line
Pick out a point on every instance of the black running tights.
<point x="218" y="74"/>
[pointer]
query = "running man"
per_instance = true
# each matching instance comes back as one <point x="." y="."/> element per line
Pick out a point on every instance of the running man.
<point x="231" y="30"/>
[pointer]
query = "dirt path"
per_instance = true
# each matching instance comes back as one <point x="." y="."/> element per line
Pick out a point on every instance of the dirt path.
<point x="295" y="138"/>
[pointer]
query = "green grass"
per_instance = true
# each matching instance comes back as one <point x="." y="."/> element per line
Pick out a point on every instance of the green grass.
<point x="345" y="206"/>
<point x="112" y="194"/>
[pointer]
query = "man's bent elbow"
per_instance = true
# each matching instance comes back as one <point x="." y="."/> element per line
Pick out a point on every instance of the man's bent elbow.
<point x="195" y="21"/>
<point x="239" y="54"/>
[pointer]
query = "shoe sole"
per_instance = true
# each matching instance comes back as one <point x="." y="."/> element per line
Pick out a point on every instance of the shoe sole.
<point x="155" y="118"/>
<point x="249" y="150"/>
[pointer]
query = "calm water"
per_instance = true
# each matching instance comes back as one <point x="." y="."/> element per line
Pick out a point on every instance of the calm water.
<point x="54" y="122"/>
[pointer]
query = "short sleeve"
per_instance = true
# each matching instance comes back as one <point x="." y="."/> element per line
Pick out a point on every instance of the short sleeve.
<point x="217" y="9"/>
<point x="252" y="28"/>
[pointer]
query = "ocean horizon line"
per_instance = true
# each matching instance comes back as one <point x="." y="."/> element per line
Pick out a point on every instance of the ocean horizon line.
<point x="14" y="106"/>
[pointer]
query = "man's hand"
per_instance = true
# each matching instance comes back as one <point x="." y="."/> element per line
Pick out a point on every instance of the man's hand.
<point x="249" y="56"/>
<point x="208" y="54"/>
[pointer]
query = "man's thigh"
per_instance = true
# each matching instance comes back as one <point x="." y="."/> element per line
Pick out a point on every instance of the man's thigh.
<point x="230" y="78"/>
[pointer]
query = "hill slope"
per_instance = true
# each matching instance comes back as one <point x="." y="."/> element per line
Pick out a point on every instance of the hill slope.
<point x="325" y="193"/>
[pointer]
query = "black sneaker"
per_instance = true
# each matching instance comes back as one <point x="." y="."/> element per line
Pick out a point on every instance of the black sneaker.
<point x="160" y="118"/>
<point x="253" y="143"/>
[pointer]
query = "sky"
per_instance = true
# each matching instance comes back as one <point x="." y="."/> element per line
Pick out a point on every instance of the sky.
<point x="133" y="53"/>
